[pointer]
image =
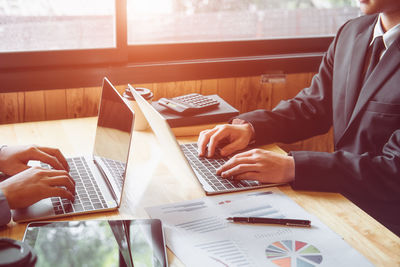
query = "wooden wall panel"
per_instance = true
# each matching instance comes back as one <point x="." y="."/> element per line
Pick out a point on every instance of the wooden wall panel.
<point x="74" y="102"/>
<point x="244" y="93"/>
<point x="9" y="111"/>
<point x="208" y="87"/>
<point x="225" y="87"/>
<point x="254" y="98"/>
<point x="21" y="106"/>
<point x="185" y="87"/>
<point x="55" y="104"/>
<point x="91" y="100"/>
<point x="163" y="90"/>
<point x="265" y="97"/>
<point x="34" y="106"/>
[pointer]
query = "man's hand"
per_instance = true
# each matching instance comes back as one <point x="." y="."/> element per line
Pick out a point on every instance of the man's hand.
<point x="238" y="137"/>
<point x="34" y="184"/>
<point x="14" y="159"/>
<point x="258" y="164"/>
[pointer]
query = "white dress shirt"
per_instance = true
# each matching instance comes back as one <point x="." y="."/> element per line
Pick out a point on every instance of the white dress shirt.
<point x="389" y="37"/>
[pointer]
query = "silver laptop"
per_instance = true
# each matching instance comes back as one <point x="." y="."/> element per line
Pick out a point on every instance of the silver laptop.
<point x="184" y="160"/>
<point x="99" y="177"/>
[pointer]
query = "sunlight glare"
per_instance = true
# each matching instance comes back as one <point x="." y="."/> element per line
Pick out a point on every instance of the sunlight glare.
<point x="149" y="6"/>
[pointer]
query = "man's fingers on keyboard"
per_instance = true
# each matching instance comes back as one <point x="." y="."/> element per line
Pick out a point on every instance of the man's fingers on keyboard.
<point x="213" y="144"/>
<point x="38" y="154"/>
<point x="232" y="163"/>
<point x="248" y="176"/>
<point x="62" y="181"/>
<point x="54" y="173"/>
<point x="203" y="140"/>
<point x="56" y="153"/>
<point x="238" y="170"/>
<point x="51" y="172"/>
<point x="61" y="192"/>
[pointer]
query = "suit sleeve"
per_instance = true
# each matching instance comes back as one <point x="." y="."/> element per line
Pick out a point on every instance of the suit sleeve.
<point x="5" y="214"/>
<point x="308" y="114"/>
<point x="370" y="181"/>
<point x="343" y="171"/>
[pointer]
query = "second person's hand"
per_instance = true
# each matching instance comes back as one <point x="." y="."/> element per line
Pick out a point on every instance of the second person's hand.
<point x="14" y="159"/>
<point x="34" y="184"/>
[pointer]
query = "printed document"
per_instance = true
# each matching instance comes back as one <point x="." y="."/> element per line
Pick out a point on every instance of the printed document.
<point x="199" y="235"/>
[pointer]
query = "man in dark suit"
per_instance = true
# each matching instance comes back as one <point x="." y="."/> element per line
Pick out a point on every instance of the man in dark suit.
<point x="357" y="91"/>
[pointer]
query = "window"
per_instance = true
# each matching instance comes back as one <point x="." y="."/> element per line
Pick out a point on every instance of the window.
<point x="43" y="25"/>
<point x="177" y="21"/>
<point x="49" y="44"/>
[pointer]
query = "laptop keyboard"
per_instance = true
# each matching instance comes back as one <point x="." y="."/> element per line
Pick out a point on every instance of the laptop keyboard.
<point x="117" y="170"/>
<point x="207" y="168"/>
<point x="88" y="195"/>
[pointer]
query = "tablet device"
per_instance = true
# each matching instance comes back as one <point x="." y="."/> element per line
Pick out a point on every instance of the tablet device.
<point x="98" y="243"/>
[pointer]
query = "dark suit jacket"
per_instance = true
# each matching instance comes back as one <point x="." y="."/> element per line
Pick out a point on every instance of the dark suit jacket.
<point x="365" y="166"/>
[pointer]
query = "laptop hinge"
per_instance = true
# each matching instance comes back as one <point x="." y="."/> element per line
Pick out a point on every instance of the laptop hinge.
<point x="107" y="181"/>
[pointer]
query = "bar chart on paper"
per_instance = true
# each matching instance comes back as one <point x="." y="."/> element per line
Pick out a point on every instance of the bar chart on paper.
<point x="293" y="253"/>
<point x="226" y="252"/>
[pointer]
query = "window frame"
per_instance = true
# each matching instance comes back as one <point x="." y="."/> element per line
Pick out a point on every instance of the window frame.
<point x="42" y="70"/>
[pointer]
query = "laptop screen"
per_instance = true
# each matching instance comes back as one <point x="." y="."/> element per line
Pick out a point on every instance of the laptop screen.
<point x="113" y="136"/>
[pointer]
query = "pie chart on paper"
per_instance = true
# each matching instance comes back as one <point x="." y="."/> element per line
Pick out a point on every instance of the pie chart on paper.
<point x="293" y="253"/>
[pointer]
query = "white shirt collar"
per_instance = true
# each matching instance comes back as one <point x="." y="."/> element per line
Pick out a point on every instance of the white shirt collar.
<point x="389" y="37"/>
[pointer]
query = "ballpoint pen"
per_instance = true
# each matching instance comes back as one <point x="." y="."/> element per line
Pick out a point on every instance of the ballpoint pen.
<point x="287" y="222"/>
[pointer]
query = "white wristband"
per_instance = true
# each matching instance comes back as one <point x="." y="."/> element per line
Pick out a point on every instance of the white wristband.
<point x="2" y="146"/>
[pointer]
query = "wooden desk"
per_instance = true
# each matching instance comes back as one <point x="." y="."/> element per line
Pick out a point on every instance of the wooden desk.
<point x="150" y="183"/>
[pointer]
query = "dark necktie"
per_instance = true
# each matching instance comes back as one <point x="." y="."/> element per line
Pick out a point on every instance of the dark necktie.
<point x="377" y="48"/>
